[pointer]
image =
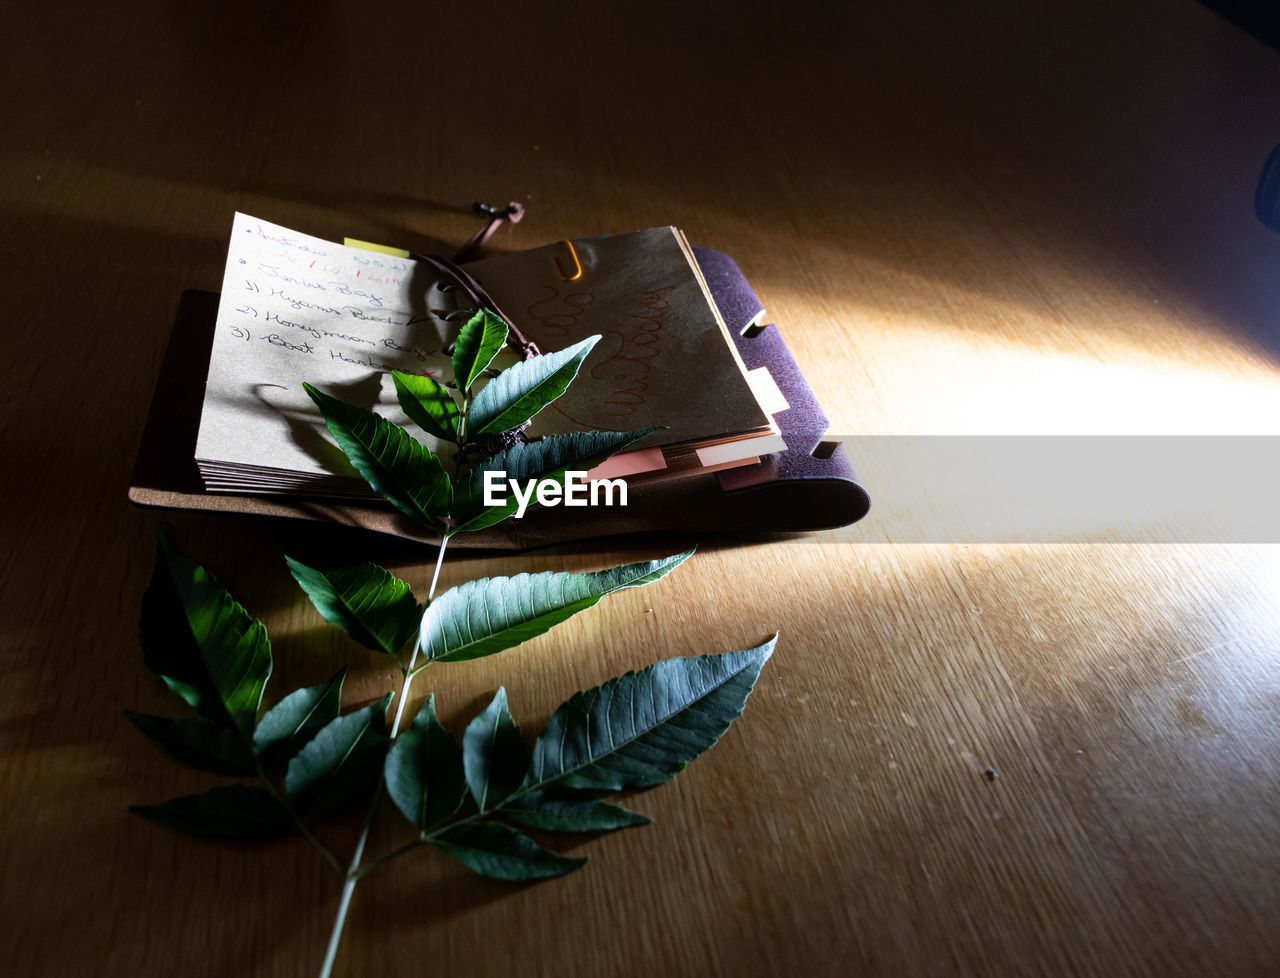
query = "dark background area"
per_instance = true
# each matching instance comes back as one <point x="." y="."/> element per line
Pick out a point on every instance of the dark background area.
<point x="1260" y="18"/>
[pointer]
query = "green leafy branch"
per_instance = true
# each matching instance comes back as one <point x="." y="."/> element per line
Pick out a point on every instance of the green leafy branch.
<point x="304" y="759"/>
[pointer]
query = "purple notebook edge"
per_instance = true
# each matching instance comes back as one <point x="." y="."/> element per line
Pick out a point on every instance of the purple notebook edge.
<point x="804" y="423"/>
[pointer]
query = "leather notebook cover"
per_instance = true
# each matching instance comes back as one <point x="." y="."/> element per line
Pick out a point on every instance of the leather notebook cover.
<point x="811" y="486"/>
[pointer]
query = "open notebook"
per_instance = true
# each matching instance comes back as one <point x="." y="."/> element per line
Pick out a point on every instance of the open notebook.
<point x="296" y="308"/>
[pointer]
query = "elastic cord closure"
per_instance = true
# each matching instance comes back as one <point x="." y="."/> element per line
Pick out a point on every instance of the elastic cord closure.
<point x="482" y="300"/>
<point x="497" y="216"/>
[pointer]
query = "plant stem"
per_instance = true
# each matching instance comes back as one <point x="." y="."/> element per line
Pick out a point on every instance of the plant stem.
<point x="349" y="887"/>
<point x="382" y="860"/>
<point x="299" y="824"/>
<point x="435" y="577"/>
<point x="426" y="838"/>
<point x="353" y="870"/>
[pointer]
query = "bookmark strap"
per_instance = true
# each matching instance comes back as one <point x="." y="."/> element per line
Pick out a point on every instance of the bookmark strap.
<point x="483" y="300"/>
<point x="497" y="216"/>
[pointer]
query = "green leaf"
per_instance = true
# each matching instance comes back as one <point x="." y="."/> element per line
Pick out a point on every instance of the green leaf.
<point x="521" y="391"/>
<point x="495" y="613"/>
<point x="201" y="642"/>
<point x="340" y="762"/>
<point x="395" y="464"/>
<point x="541" y="810"/>
<point x="642" y="728"/>
<point x="204" y="744"/>
<point x="478" y="343"/>
<point x="547" y="458"/>
<point x="296" y="718"/>
<point x="494" y="850"/>
<point x="369" y="603"/>
<point x="234" y="812"/>
<point x="423" y="770"/>
<point x="428" y="404"/>
<point x="493" y="754"/>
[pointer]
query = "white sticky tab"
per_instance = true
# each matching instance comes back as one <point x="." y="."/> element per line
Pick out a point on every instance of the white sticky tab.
<point x="767" y="391"/>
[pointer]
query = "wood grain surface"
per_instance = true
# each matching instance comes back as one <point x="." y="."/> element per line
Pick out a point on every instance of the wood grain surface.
<point x="990" y="218"/>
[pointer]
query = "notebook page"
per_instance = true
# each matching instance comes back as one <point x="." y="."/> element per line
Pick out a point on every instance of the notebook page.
<point x="297" y="308"/>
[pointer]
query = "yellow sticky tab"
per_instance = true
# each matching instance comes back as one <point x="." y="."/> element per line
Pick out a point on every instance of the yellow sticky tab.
<point x="370" y="246"/>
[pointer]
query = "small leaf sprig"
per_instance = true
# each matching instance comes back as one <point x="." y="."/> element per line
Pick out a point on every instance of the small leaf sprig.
<point x="304" y="759"/>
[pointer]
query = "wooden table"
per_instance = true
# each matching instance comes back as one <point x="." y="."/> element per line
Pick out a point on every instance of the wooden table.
<point x="981" y="220"/>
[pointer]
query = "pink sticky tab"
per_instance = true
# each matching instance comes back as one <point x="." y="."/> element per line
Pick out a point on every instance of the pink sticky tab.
<point x="629" y="463"/>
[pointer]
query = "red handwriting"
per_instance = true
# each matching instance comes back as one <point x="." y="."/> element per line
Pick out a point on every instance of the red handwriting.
<point x="556" y="316"/>
<point x="622" y="377"/>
